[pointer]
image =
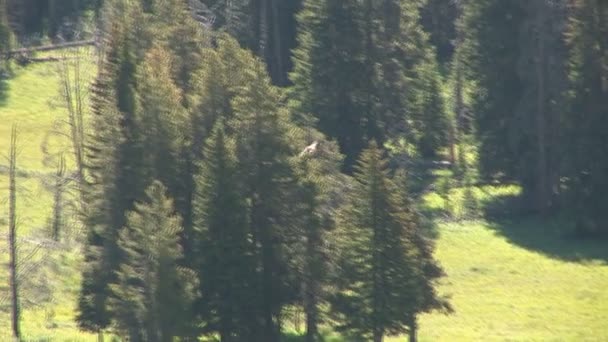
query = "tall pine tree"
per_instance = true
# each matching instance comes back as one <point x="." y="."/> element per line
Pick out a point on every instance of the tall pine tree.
<point x="365" y="70"/>
<point x="224" y="249"/>
<point x="152" y="296"/>
<point x="381" y="276"/>
<point x="587" y="120"/>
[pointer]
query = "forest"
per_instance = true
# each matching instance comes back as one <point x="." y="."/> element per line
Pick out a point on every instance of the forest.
<point x="303" y="170"/>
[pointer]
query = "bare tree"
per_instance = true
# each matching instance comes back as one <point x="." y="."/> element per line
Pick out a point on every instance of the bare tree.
<point x="74" y="92"/>
<point x="12" y="216"/>
<point x="58" y="191"/>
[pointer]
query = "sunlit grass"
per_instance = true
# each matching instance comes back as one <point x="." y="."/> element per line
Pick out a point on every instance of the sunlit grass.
<point x="32" y="103"/>
<point x="503" y="291"/>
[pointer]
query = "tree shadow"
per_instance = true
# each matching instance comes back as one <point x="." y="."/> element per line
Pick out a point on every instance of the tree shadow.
<point x="294" y="337"/>
<point x="3" y="88"/>
<point x="552" y="236"/>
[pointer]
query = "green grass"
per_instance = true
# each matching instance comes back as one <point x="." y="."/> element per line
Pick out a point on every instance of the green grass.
<point x="505" y="289"/>
<point x="31" y="101"/>
<point x="508" y="280"/>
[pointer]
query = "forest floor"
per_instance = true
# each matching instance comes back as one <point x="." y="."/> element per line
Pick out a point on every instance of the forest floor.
<point x="508" y="279"/>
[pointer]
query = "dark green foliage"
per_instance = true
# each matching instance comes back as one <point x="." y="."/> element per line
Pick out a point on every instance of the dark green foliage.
<point x="224" y="249"/>
<point x="47" y="17"/>
<point x="428" y="110"/>
<point x="384" y="261"/>
<point x="439" y="18"/>
<point x="161" y="118"/>
<point x="266" y="27"/>
<point x="152" y="296"/>
<point x="363" y="69"/>
<point x="492" y="29"/>
<point x="330" y="73"/>
<point x="112" y="184"/>
<point x="587" y="119"/>
<point x="263" y="151"/>
<point x="321" y="187"/>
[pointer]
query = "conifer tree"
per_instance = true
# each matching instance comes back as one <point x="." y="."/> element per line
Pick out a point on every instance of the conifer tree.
<point x="380" y="281"/>
<point x="264" y="150"/>
<point x="493" y="29"/>
<point x="330" y="73"/>
<point x="429" y="269"/>
<point x="152" y="295"/>
<point x="362" y="69"/>
<point x="319" y="180"/>
<point x="586" y="121"/>
<point x="162" y="119"/>
<point x="224" y="249"/>
<point x="265" y="27"/>
<point x="114" y="170"/>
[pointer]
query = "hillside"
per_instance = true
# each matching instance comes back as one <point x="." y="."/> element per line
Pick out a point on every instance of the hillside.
<point x="508" y="280"/>
<point x="31" y="101"/>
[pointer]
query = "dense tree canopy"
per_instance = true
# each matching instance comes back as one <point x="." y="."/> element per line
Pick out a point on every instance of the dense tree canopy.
<point x="247" y="159"/>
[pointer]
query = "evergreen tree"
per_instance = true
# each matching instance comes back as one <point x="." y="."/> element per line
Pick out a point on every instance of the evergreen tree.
<point x="491" y="57"/>
<point x="224" y="249"/>
<point x="320" y="181"/>
<point x="364" y="70"/>
<point x="330" y="74"/>
<point x="264" y="150"/>
<point x="266" y="27"/>
<point x="439" y="20"/>
<point x="586" y="121"/>
<point x="152" y="294"/>
<point x="113" y="166"/>
<point x="126" y="123"/>
<point x="430" y="270"/>
<point x="161" y="119"/>
<point x="542" y="70"/>
<point x="379" y="281"/>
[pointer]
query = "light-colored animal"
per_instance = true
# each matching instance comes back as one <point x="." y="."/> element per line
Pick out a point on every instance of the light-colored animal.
<point x="310" y="149"/>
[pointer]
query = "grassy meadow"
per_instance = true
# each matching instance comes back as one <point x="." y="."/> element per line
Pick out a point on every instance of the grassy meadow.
<point x="520" y="279"/>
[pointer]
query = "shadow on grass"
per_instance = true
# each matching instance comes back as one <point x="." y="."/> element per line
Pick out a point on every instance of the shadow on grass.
<point x="551" y="236"/>
<point x="293" y="337"/>
<point x="3" y="88"/>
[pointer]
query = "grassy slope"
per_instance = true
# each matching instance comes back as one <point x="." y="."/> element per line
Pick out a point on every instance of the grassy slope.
<point x="503" y="291"/>
<point x="508" y="280"/>
<point x="30" y="102"/>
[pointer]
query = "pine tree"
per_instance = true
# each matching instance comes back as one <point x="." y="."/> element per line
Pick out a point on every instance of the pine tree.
<point x="152" y="294"/>
<point x="330" y="73"/>
<point x="379" y="281"/>
<point x="430" y="270"/>
<point x="319" y="195"/>
<point x="161" y="118"/>
<point x="541" y="67"/>
<point x="264" y="150"/>
<point x="265" y="27"/>
<point x="114" y="166"/>
<point x="586" y="121"/>
<point x="439" y="19"/>
<point x="215" y="86"/>
<point x="224" y="248"/>
<point x="364" y="70"/>
<point x="491" y="54"/>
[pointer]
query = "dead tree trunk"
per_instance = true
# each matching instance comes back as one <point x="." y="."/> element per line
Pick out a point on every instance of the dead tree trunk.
<point x="12" y="240"/>
<point x="58" y="198"/>
<point x="73" y="93"/>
